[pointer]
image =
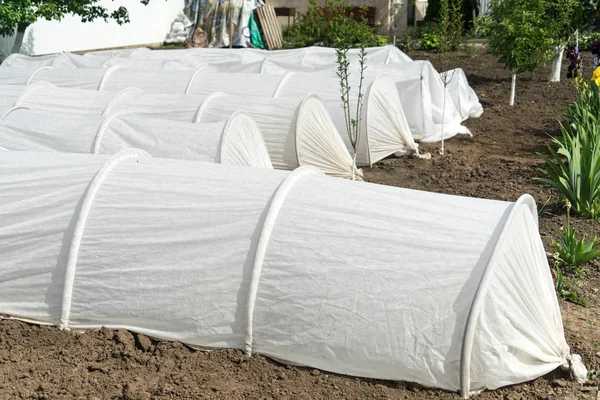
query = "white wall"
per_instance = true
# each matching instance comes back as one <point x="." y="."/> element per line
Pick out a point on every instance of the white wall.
<point x="149" y="24"/>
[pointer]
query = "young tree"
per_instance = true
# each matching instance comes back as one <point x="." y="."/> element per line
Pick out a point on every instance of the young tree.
<point x="526" y="32"/>
<point x="517" y="35"/>
<point x="562" y="19"/>
<point x="450" y="30"/>
<point x="19" y="14"/>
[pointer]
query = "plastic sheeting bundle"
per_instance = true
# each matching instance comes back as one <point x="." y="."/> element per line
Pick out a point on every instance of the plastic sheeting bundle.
<point x="354" y="278"/>
<point x="296" y="131"/>
<point x="234" y="141"/>
<point x="385" y="129"/>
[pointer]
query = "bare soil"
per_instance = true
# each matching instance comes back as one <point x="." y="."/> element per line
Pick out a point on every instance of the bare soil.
<point x="498" y="162"/>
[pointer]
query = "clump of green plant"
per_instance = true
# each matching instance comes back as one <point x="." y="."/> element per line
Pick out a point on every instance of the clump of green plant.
<point x="573" y="168"/>
<point x="430" y="41"/>
<point x="586" y="38"/>
<point x="566" y="288"/>
<point x="572" y="253"/>
<point x="470" y="49"/>
<point x="325" y="25"/>
<point x="585" y="111"/>
<point x="424" y="37"/>
<point x="410" y="40"/>
<point x="382" y="40"/>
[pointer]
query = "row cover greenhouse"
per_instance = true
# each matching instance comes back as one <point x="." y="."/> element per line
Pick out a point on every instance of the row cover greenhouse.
<point x="350" y="277"/>
<point x="296" y="131"/>
<point x="420" y="86"/>
<point x="234" y="141"/>
<point x="304" y="57"/>
<point x="385" y="130"/>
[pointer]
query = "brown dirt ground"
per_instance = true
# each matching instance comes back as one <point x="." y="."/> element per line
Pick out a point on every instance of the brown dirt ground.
<point x="498" y="162"/>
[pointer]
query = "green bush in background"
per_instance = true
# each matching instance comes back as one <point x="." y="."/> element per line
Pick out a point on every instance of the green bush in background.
<point x="326" y="26"/>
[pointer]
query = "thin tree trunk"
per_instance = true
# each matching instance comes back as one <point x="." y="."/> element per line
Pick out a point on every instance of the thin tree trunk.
<point x="513" y="88"/>
<point x="354" y="165"/>
<point x="557" y="56"/>
<point x="18" y="41"/>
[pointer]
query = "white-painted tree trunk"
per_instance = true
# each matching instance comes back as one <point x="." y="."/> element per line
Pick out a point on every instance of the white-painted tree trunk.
<point x="444" y="114"/>
<point x="557" y="56"/>
<point x="513" y="88"/>
<point x="18" y="41"/>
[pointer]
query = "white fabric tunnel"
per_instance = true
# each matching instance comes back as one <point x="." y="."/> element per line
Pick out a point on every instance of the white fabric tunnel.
<point x="307" y="58"/>
<point x="420" y="86"/>
<point x="385" y="129"/>
<point x="234" y="141"/>
<point x="296" y="131"/>
<point x="350" y="277"/>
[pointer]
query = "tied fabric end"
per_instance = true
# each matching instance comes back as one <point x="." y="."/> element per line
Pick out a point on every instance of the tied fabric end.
<point x="576" y="368"/>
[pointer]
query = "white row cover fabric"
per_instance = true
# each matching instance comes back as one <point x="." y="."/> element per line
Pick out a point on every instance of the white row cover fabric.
<point x="420" y="88"/>
<point x="305" y="58"/>
<point x="350" y="277"/>
<point x="70" y="60"/>
<point x="296" y="131"/>
<point x="385" y="128"/>
<point x="422" y="95"/>
<point x="234" y="141"/>
<point x="464" y="97"/>
<point x="421" y="91"/>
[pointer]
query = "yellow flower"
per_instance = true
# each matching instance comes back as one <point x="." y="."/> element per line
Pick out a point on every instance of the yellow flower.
<point x="596" y="74"/>
<point x="597" y="80"/>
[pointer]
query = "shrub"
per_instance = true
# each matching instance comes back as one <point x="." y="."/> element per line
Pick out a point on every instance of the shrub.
<point x="586" y="39"/>
<point x="424" y="37"/>
<point x="430" y="41"/>
<point x="382" y="40"/>
<point x="326" y="26"/>
<point x="410" y="40"/>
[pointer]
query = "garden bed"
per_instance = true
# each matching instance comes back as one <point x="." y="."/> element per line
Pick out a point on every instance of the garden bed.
<point x="498" y="162"/>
